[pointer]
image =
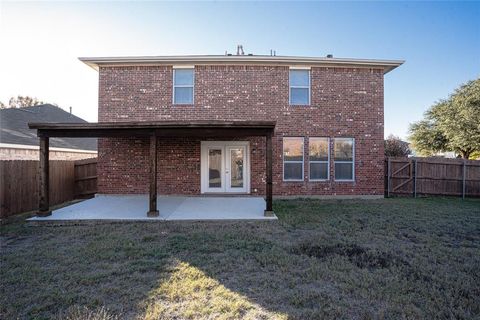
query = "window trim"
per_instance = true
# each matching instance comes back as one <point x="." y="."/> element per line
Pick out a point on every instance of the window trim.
<point x="342" y="161"/>
<point x="299" y="87"/>
<point x="183" y="86"/>
<point x="302" y="162"/>
<point x="317" y="161"/>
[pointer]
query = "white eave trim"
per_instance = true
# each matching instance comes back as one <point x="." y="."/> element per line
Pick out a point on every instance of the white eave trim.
<point x="30" y="147"/>
<point x="184" y="66"/>
<point x="300" y="68"/>
<point x="386" y="65"/>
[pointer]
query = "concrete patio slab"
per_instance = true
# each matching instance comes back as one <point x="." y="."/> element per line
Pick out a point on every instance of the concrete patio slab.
<point x="135" y="207"/>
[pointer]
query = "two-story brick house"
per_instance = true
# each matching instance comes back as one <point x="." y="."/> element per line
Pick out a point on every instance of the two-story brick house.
<point x="328" y="115"/>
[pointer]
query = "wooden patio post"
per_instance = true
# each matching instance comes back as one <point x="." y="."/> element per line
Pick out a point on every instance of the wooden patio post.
<point x="153" y="212"/>
<point x="389" y="172"/>
<point x="43" y="197"/>
<point x="269" y="173"/>
<point x="415" y="179"/>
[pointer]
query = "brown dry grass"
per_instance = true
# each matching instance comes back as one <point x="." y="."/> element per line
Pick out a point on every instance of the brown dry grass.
<point x="391" y="258"/>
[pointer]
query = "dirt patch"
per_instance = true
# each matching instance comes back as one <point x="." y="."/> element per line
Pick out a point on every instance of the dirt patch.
<point x="84" y="313"/>
<point x="12" y="241"/>
<point x="361" y="257"/>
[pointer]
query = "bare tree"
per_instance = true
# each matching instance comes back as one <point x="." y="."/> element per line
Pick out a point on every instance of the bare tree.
<point x="22" y="102"/>
<point x="395" y="147"/>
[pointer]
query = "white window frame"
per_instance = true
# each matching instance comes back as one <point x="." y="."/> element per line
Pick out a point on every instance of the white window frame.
<point x="300" y="87"/>
<point x="302" y="162"/>
<point x="352" y="162"/>
<point x="318" y="161"/>
<point x="184" y="86"/>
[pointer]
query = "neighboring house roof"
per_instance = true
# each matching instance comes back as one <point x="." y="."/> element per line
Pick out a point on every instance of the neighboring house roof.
<point x="386" y="65"/>
<point x="14" y="127"/>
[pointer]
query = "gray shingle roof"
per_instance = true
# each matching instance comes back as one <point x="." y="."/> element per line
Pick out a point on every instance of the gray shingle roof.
<point x="14" y="127"/>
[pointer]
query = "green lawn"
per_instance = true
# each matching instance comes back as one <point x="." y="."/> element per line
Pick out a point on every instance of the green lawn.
<point x="389" y="258"/>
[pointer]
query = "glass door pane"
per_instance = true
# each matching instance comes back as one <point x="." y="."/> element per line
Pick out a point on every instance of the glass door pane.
<point x="236" y="168"/>
<point x="215" y="168"/>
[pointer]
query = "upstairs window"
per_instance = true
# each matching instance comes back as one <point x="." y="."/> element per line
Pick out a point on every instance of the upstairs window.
<point x="183" y="86"/>
<point x="293" y="159"/>
<point x="299" y="87"/>
<point x="344" y="158"/>
<point x="318" y="150"/>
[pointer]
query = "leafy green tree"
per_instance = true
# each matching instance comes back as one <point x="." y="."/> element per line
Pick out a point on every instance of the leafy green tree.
<point x="475" y="155"/>
<point x="426" y="138"/>
<point x="450" y="125"/>
<point x="395" y="147"/>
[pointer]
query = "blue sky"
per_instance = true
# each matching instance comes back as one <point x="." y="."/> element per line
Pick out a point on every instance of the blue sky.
<point x="440" y="42"/>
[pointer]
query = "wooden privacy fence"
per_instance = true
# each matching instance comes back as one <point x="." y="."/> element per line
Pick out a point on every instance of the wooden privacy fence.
<point x="432" y="176"/>
<point x="85" y="178"/>
<point x="19" y="186"/>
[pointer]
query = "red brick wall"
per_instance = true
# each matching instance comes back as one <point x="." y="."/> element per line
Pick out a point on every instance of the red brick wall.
<point x="346" y="102"/>
<point x="178" y="165"/>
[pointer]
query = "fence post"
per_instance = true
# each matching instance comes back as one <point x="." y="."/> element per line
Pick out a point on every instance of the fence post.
<point x="389" y="169"/>
<point x="463" y="180"/>
<point x="415" y="178"/>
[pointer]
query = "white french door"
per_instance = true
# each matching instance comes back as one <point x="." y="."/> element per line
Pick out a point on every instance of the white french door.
<point x="225" y="167"/>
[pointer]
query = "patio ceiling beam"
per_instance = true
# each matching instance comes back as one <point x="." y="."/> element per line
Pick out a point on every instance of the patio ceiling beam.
<point x="154" y="124"/>
<point x="170" y="132"/>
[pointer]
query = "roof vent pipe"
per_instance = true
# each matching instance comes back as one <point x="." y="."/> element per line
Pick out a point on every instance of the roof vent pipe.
<point x="240" y="50"/>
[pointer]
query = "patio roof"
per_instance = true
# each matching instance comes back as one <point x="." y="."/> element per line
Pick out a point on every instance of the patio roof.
<point x="153" y="130"/>
<point x="158" y="128"/>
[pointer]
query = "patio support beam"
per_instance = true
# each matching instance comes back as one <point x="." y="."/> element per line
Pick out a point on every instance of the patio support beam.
<point x="43" y="197"/>
<point x="268" y="170"/>
<point x="153" y="212"/>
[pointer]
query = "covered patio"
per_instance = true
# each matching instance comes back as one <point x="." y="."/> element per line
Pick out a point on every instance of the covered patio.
<point x="196" y="207"/>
